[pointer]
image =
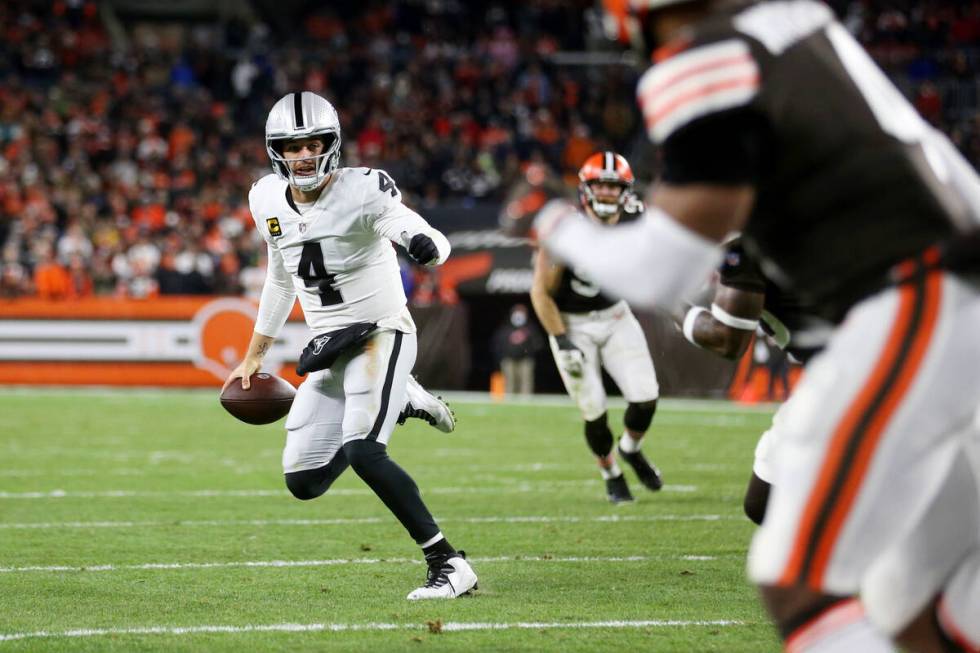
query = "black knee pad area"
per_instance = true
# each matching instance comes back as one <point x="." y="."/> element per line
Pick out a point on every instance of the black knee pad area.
<point x="756" y="499"/>
<point x="361" y="454"/>
<point x="639" y="415"/>
<point x="310" y="483"/>
<point x="306" y="485"/>
<point x="599" y="437"/>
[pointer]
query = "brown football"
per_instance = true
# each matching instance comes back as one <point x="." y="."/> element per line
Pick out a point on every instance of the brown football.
<point x="267" y="400"/>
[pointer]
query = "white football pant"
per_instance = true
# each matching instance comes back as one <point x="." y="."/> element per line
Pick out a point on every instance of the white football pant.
<point x="359" y="397"/>
<point x="872" y="441"/>
<point x="610" y="339"/>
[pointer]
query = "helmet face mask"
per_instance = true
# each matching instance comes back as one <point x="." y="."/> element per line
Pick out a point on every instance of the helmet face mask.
<point x="601" y="172"/>
<point x="301" y="116"/>
<point x="601" y="205"/>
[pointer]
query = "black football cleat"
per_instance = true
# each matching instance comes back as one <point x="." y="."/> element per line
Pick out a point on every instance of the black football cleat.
<point x="648" y="474"/>
<point x="617" y="491"/>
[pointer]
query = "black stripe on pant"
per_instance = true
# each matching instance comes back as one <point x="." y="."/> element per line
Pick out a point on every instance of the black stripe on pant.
<point x="386" y="389"/>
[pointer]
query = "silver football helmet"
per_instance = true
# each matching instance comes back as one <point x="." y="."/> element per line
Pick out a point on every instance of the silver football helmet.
<point x="302" y="115"/>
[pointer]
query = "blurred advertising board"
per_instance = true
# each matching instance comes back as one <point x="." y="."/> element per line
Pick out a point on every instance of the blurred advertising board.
<point x="166" y="341"/>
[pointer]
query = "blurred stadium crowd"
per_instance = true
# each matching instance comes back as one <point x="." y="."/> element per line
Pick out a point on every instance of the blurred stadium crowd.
<point x="126" y="156"/>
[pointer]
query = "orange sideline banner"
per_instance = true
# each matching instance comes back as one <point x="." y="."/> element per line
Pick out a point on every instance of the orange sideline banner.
<point x="167" y="341"/>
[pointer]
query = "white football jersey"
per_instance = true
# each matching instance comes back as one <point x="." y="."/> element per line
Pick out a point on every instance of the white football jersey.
<point x="336" y="254"/>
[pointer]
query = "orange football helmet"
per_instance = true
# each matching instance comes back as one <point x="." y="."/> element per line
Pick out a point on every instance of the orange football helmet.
<point x="605" y="168"/>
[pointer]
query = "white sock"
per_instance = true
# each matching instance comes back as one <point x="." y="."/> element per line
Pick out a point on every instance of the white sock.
<point x="843" y="628"/>
<point x="628" y="444"/>
<point x="432" y="540"/>
<point x="610" y="472"/>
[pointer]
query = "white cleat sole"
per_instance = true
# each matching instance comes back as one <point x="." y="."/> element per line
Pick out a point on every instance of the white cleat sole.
<point x="460" y="583"/>
<point x="422" y="399"/>
<point x="445" y="417"/>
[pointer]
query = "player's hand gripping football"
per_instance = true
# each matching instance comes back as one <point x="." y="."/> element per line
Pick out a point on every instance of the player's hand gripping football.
<point x="244" y="371"/>
<point x="570" y="358"/>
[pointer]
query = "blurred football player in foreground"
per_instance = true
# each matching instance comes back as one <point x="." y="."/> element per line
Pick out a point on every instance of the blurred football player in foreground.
<point x="743" y="302"/>
<point x="329" y="232"/>
<point x="589" y="331"/>
<point x="773" y="121"/>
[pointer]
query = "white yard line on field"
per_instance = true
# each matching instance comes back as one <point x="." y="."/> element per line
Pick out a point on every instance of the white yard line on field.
<point x="680" y="404"/>
<point x="515" y="519"/>
<point x="519" y="487"/>
<point x="450" y="626"/>
<point x="242" y="470"/>
<point x="37" y="473"/>
<point x="152" y="566"/>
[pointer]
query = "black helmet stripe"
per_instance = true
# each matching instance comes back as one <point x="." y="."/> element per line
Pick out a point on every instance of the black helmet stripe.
<point x="609" y="162"/>
<point x="298" y="109"/>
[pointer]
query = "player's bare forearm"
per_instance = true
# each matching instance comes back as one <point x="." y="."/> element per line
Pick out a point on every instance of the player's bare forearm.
<point x="709" y="210"/>
<point x="259" y="346"/>
<point x="546" y="276"/>
<point x="710" y="334"/>
<point x="547" y="312"/>
<point x="728" y="327"/>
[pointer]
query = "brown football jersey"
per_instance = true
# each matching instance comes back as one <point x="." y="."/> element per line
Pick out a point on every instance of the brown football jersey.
<point x="779" y="95"/>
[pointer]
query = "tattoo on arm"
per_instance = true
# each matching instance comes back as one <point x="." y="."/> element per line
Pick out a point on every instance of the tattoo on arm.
<point x="263" y="348"/>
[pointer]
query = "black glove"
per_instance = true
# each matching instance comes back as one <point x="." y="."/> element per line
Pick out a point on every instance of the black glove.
<point x="564" y="342"/>
<point x="570" y="358"/>
<point x="322" y="351"/>
<point x="423" y="249"/>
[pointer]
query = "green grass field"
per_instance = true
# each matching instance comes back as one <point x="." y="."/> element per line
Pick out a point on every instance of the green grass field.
<point x="154" y="521"/>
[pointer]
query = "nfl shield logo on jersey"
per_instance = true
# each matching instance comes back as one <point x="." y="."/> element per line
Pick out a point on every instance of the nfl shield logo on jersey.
<point x="302" y="227"/>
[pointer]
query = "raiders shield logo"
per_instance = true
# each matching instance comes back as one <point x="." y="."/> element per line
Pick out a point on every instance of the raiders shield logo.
<point x="274" y="229"/>
<point x="319" y="343"/>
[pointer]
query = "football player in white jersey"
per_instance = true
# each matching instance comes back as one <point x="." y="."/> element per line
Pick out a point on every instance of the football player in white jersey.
<point x="589" y="331"/>
<point x="329" y="231"/>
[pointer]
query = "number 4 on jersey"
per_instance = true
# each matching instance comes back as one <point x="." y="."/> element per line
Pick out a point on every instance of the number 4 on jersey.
<point x="313" y="271"/>
<point x="385" y="184"/>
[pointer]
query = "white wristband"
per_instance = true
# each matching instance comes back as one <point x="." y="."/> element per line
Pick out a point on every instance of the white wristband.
<point x="730" y="320"/>
<point x="689" y="321"/>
